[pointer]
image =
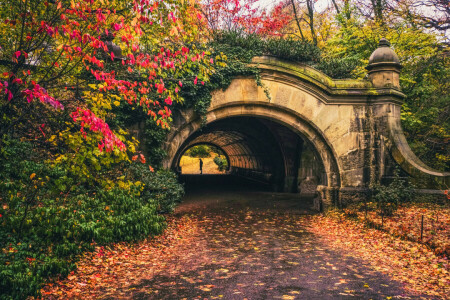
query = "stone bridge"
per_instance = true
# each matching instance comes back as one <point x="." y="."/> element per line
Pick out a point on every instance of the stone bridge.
<point x="303" y="129"/>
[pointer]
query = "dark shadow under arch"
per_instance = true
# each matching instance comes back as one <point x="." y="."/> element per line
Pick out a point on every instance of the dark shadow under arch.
<point x="272" y="113"/>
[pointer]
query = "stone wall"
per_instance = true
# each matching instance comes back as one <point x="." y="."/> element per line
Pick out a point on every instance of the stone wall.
<point x="353" y="126"/>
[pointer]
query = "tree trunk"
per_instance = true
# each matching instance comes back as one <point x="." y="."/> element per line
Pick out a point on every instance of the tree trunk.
<point x="378" y="8"/>
<point x="296" y="19"/>
<point x="310" y="7"/>
<point x="336" y="6"/>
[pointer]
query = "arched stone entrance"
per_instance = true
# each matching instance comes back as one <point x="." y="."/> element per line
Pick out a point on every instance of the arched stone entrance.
<point x="265" y="144"/>
<point x="352" y="125"/>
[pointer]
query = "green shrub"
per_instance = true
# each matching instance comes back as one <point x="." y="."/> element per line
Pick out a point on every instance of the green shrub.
<point x="338" y="68"/>
<point x="293" y="50"/>
<point x="161" y="186"/>
<point x="47" y="220"/>
<point x="199" y="151"/>
<point x="389" y="197"/>
<point x="56" y="231"/>
<point x="221" y="162"/>
<point x="250" y="45"/>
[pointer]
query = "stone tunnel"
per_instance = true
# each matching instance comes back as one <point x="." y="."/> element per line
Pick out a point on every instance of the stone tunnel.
<point x="301" y="130"/>
<point x="262" y="150"/>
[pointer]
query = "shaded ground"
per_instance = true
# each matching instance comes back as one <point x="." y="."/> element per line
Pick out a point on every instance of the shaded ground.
<point x="258" y="247"/>
<point x="230" y="242"/>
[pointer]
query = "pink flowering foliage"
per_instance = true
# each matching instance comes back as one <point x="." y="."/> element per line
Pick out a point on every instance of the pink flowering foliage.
<point x="95" y="124"/>
<point x="58" y="49"/>
<point x="246" y="15"/>
<point x="41" y="94"/>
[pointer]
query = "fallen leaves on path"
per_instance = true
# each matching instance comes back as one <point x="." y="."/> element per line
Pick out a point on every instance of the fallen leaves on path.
<point x="111" y="272"/>
<point x="242" y="249"/>
<point x="234" y="254"/>
<point x="409" y="262"/>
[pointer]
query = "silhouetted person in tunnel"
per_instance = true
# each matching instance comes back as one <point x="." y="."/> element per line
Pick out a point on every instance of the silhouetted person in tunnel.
<point x="201" y="166"/>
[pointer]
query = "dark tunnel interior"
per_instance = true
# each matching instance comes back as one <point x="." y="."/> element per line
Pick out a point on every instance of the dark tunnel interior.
<point x="262" y="153"/>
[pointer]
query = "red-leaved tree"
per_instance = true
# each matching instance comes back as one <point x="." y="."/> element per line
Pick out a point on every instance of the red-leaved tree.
<point x="84" y="56"/>
<point x="245" y="15"/>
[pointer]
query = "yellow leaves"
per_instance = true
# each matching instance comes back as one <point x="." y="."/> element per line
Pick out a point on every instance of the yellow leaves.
<point x="116" y="103"/>
<point x="98" y="102"/>
<point x="134" y="21"/>
<point x="126" y="185"/>
<point x="174" y="31"/>
<point x="206" y="288"/>
<point x="222" y="271"/>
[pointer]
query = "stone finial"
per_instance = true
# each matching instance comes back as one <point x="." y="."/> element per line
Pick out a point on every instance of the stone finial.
<point x="384" y="66"/>
<point x="384" y="43"/>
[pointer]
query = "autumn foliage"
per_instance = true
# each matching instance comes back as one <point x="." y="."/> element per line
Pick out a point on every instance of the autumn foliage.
<point x="132" y="52"/>
<point x="67" y="70"/>
<point x="76" y="74"/>
<point x="235" y="15"/>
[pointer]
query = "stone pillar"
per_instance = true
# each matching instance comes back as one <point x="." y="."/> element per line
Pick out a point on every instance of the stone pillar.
<point x="384" y="67"/>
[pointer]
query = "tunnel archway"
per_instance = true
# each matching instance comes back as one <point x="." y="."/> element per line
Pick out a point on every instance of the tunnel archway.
<point x="188" y="159"/>
<point x="265" y="144"/>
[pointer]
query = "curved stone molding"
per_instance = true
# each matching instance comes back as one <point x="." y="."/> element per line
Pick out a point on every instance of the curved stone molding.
<point x="328" y="90"/>
<point x="404" y="156"/>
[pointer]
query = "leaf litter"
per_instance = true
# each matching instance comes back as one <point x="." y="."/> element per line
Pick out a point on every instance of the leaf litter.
<point x="414" y="264"/>
<point x="244" y="253"/>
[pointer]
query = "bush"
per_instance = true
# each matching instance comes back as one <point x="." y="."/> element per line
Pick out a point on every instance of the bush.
<point x="389" y="197"/>
<point x="199" y="151"/>
<point x="161" y="186"/>
<point x="56" y="231"/>
<point x="293" y="50"/>
<point x="221" y="163"/>
<point x="338" y="68"/>
<point x="250" y="45"/>
<point x="47" y="221"/>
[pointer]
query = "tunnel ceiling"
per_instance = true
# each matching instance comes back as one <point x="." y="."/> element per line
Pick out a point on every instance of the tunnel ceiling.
<point x="247" y="142"/>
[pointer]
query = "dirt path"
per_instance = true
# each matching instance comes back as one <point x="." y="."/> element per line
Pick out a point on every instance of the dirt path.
<point x="240" y="245"/>
<point x="256" y="245"/>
